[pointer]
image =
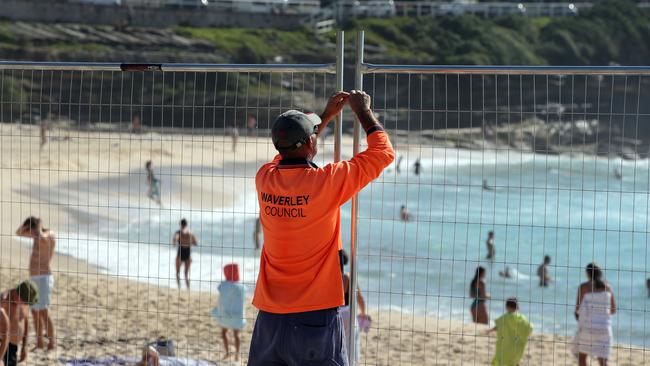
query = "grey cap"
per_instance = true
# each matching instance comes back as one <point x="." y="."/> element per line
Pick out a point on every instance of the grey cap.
<point x="292" y="129"/>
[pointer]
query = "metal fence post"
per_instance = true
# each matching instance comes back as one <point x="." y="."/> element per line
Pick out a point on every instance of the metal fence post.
<point x="358" y="85"/>
<point x="338" y="125"/>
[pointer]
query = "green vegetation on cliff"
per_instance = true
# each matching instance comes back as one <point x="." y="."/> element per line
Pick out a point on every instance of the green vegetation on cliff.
<point x="613" y="31"/>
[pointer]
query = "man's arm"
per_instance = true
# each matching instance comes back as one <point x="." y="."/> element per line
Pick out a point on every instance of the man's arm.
<point x="193" y="240"/>
<point x="4" y="333"/>
<point x="175" y="238"/>
<point x="334" y="106"/>
<point x="349" y="177"/>
<point x="23" y="350"/>
<point x="24" y="231"/>
<point x="52" y="244"/>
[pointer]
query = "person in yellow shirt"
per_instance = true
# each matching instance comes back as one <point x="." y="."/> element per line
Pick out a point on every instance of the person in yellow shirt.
<point x="513" y="330"/>
<point x="299" y="288"/>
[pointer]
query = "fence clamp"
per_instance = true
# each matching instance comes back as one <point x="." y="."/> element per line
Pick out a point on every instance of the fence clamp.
<point x="141" y="67"/>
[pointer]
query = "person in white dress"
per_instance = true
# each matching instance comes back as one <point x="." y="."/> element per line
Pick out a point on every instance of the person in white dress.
<point x="594" y="309"/>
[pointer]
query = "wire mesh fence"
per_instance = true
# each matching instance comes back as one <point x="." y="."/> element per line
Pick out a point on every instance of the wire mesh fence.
<point x="74" y="152"/>
<point x="554" y="162"/>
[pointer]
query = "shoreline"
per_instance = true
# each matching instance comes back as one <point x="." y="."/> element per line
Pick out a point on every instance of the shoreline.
<point x="100" y="314"/>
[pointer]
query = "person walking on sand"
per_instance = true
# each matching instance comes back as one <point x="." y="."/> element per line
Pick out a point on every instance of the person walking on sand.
<point x="40" y="272"/>
<point x="185" y="239"/>
<point x="299" y="287"/>
<point x="230" y="312"/>
<point x="14" y="321"/>
<point x="491" y="250"/>
<point x="153" y="183"/>
<point x="542" y="272"/>
<point x="595" y="306"/>
<point x="480" y="295"/>
<point x="513" y="330"/>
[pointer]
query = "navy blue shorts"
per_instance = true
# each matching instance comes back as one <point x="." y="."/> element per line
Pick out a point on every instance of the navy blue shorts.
<point x="312" y="338"/>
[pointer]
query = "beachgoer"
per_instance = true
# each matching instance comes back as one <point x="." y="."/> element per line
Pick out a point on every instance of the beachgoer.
<point x="478" y="292"/>
<point x="14" y="321"/>
<point x="647" y="284"/>
<point x="153" y="183"/>
<point x="44" y="128"/>
<point x="234" y="134"/>
<point x="506" y="273"/>
<point x="486" y="186"/>
<point x="40" y="272"/>
<point x="136" y="125"/>
<point x="594" y="309"/>
<point x="251" y="124"/>
<point x="230" y="312"/>
<point x="513" y="330"/>
<point x="299" y="288"/>
<point x="542" y="272"/>
<point x="398" y="164"/>
<point x="404" y="214"/>
<point x="257" y="234"/>
<point x="345" y="310"/>
<point x="417" y="167"/>
<point x="184" y="238"/>
<point x="491" y="250"/>
<point x="150" y="357"/>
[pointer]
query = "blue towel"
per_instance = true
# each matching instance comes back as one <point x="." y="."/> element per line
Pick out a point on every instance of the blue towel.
<point x="230" y="312"/>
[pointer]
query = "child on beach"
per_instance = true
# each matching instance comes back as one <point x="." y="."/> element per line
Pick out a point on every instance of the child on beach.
<point x="513" y="330"/>
<point x="230" y="312"/>
<point x="14" y="315"/>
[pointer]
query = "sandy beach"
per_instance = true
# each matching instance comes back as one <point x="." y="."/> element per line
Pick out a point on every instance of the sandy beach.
<point x="98" y="314"/>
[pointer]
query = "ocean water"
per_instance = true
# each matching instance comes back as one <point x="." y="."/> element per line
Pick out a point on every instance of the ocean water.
<point x="571" y="208"/>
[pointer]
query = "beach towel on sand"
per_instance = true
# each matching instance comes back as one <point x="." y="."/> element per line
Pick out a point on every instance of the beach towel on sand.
<point x="513" y="330"/>
<point x="594" y="336"/>
<point x="113" y="360"/>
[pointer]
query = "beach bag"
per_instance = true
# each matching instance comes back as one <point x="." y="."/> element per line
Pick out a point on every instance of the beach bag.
<point x="164" y="347"/>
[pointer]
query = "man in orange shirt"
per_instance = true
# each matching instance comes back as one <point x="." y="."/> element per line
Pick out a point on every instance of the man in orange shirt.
<point x="300" y="286"/>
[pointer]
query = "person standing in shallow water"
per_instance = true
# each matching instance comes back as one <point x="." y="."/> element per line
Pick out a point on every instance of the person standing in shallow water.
<point x="185" y="239"/>
<point x="478" y="292"/>
<point x="299" y="288"/>
<point x="489" y="243"/>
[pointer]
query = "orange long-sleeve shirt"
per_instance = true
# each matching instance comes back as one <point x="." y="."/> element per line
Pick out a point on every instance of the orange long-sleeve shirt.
<point x="299" y="209"/>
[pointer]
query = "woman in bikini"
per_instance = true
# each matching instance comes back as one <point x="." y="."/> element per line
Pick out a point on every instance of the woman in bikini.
<point x="479" y="294"/>
<point x="185" y="240"/>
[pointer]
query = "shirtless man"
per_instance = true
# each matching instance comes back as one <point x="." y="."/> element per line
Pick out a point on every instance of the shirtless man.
<point x="40" y="273"/>
<point x="14" y="322"/>
<point x="185" y="239"/>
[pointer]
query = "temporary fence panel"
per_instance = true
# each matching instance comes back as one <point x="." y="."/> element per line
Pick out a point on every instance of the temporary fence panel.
<point x="75" y="141"/>
<point x="553" y="160"/>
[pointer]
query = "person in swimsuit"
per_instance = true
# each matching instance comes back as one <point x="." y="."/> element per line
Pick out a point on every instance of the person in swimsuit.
<point x="153" y="183"/>
<point x="14" y="321"/>
<point x="479" y="294"/>
<point x="489" y="243"/>
<point x="542" y="272"/>
<point x="185" y="239"/>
